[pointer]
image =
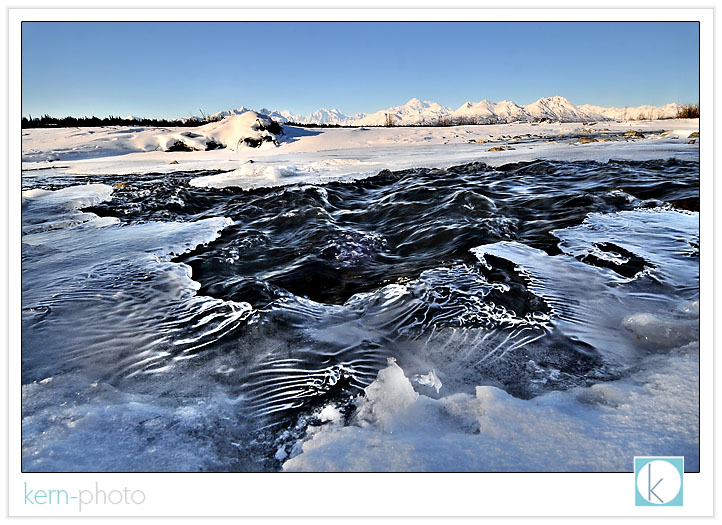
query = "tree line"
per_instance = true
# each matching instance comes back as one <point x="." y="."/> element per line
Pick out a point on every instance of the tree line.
<point x="688" y="111"/>
<point x="46" y="121"/>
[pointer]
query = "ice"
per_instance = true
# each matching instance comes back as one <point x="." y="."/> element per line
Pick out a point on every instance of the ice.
<point x="389" y="395"/>
<point x="72" y="198"/>
<point x="651" y="407"/>
<point x="254" y="175"/>
<point x="137" y="379"/>
<point x="431" y="380"/>
<point x="122" y="278"/>
<point x="655" y="332"/>
<point x="74" y="423"/>
<point x="611" y="301"/>
<point x="663" y="238"/>
<point x="598" y="428"/>
<point x="140" y="316"/>
<point x="49" y="210"/>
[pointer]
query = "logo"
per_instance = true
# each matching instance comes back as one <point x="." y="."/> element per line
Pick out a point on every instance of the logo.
<point x="658" y="481"/>
<point x="83" y="497"/>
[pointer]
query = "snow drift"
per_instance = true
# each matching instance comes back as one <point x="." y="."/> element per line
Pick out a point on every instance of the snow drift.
<point x="233" y="132"/>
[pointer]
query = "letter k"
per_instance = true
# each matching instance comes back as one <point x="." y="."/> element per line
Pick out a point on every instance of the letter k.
<point x="651" y="488"/>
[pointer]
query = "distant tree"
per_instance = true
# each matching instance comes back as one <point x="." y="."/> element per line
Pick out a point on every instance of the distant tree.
<point x="389" y="120"/>
<point x="688" y="111"/>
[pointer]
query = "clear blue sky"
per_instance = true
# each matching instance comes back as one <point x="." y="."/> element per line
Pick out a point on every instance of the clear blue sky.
<point x="176" y="69"/>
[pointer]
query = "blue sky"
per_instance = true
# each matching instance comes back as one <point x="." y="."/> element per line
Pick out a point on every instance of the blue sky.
<point x="176" y="69"/>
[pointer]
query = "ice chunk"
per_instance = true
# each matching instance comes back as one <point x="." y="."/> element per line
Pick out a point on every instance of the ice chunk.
<point x="389" y="394"/>
<point x="430" y="380"/>
<point x="598" y="428"/>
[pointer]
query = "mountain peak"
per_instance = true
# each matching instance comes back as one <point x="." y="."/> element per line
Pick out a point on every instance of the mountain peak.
<point x="556" y="99"/>
<point x="414" y="102"/>
<point x="418" y="112"/>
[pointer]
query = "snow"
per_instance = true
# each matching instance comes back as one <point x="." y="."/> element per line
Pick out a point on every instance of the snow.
<point x="397" y="425"/>
<point x="318" y="155"/>
<point x="72" y="421"/>
<point x="412" y="113"/>
<point x="323" y="116"/>
<point x="484" y="110"/>
<point x="597" y="428"/>
<point x="652" y="408"/>
<point x="634" y="113"/>
<point x="557" y="108"/>
<point x="416" y="112"/>
<point x="230" y="132"/>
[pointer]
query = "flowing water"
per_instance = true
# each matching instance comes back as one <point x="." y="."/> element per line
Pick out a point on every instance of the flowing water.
<point x="170" y="327"/>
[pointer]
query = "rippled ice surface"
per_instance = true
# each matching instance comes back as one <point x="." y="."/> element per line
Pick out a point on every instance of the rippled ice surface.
<point x="536" y="316"/>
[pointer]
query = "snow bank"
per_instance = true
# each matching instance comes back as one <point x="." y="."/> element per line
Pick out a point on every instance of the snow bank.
<point x="320" y="155"/>
<point x="599" y="428"/>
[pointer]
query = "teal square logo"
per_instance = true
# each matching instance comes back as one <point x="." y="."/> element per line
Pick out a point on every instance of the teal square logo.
<point x="659" y="481"/>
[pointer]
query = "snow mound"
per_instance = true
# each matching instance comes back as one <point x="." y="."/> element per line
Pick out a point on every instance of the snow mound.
<point x="234" y="132"/>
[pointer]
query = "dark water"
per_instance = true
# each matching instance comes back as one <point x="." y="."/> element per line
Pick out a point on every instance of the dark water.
<point x="330" y="242"/>
<point x="337" y="278"/>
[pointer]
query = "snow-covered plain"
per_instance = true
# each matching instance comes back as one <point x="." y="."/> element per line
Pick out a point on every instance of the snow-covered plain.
<point x="318" y="155"/>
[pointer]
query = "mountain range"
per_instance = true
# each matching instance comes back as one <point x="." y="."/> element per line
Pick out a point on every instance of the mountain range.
<point x="418" y="112"/>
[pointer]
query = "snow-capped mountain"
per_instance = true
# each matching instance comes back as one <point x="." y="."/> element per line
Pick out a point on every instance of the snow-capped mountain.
<point x="323" y="116"/>
<point x="557" y="108"/>
<point x="227" y="113"/>
<point x="487" y="112"/>
<point x="320" y="116"/>
<point x="414" y="112"/>
<point x="635" y="113"/>
<point x="417" y="112"/>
